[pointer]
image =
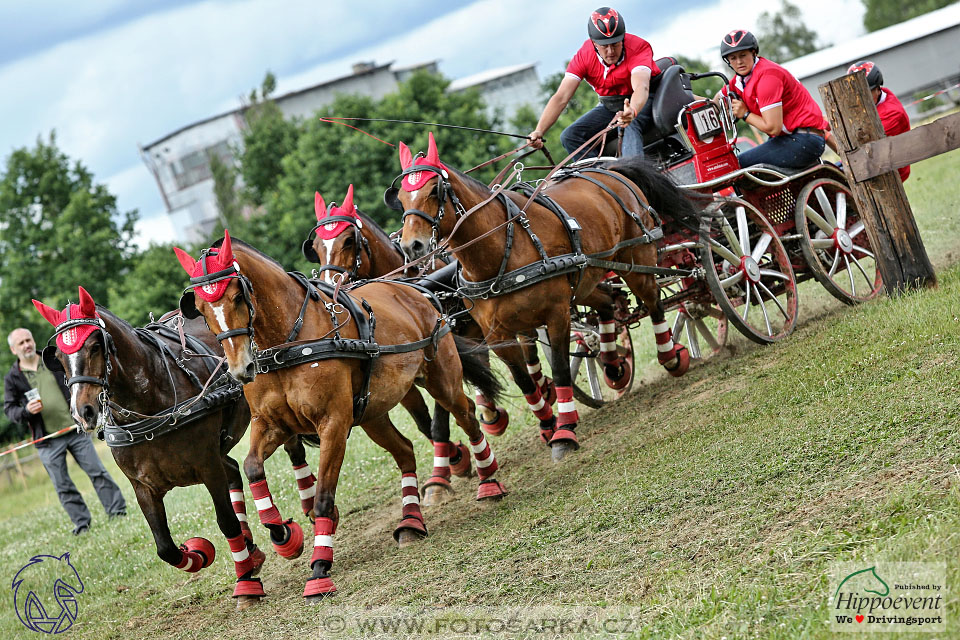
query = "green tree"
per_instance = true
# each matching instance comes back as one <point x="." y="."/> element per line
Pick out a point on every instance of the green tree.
<point x="225" y="190"/>
<point x="883" y="13"/>
<point x="153" y="285"/>
<point x="328" y="158"/>
<point x="268" y="138"/>
<point x="59" y="230"/>
<point x="783" y="36"/>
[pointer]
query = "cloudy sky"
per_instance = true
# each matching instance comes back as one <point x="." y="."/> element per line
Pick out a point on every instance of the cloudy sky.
<point x="109" y="75"/>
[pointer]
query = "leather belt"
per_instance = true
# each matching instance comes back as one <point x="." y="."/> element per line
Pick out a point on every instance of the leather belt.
<point x="816" y="132"/>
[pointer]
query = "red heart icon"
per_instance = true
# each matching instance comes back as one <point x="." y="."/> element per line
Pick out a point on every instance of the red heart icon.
<point x="859" y="618"/>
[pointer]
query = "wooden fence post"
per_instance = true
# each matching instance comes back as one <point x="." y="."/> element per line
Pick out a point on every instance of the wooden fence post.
<point x="881" y="201"/>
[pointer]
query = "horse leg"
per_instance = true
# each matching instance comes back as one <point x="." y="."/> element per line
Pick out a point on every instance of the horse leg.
<point x="564" y="439"/>
<point x="385" y="434"/>
<point x="247" y="558"/>
<point x="674" y="357"/>
<point x="286" y="536"/>
<point x="448" y="458"/>
<point x="616" y="370"/>
<point x="417" y="408"/>
<point x="444" y="383"/>
<point x="493" y="419"/>
<point x="333" y="430"/>
<point x="531" y="356"/>
<point x="235" y="485"/>
<point x="301" y="471"/>
<point x="193" y="555"/>
<point x="509" y="350"/>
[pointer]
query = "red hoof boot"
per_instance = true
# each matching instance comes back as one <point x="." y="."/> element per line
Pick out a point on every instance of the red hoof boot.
<point x="491" y="489"/>
<point x="204" y="548"/>
<point x="683" y="362"/>
<point x="462" y="467"/>
<point x="549" y="392"/>
<point x="319" y="588"/>
<point x="248" y="587"/>
<point x="498" y="426"/>
<point x="293" y="547"/>
<point x="621" y="380"/>
<point x="546" y="435"/>
<point x="413" y="524"/>
<point x="563" y="442"/>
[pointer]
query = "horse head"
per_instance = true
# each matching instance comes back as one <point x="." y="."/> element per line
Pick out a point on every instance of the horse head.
<point x="223" y="296"/>
<point x="338" y="242"/>
<point x="422" y="197"/>
<point x="82" y="350"/>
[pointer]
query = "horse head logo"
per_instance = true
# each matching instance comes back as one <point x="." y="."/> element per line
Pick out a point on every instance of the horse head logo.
<point x="45" y="593"/>
<point x="868" y="581"/>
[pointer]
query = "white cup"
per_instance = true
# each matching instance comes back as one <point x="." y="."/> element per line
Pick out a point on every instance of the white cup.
<point x="33" y="394"/>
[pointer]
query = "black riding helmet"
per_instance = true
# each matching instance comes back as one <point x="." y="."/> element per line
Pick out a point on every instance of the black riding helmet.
<point x="874" y="77"/>
<point x="605" y="26"/>
<point x="738" y="40"/>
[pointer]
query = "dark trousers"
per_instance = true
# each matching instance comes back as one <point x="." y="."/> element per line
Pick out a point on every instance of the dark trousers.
<point x="54" y="458"/>
<point x="587" y="125"/>
<point x="791" y="151"/>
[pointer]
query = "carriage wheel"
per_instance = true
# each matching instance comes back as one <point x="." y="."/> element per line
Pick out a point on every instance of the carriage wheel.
<point x="586" y="369"/>
<point x="748" y="270"/>
<point x="834" y="242"/>
<point x="702" y="328"/>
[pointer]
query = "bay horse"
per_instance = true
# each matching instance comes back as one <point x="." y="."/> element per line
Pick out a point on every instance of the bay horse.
<point x="339" y="375"/>
<point x="117" y="373"/>
<point x="508" y="276"/>
<point x="347" y="241"/>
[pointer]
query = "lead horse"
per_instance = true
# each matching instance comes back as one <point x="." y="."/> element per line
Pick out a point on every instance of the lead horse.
<point x="327" y="373"/>
<point x="592" y="221"/>
<point x="125" y="381"/>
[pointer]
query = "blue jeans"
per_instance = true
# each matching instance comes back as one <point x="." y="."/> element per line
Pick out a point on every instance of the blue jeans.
<point x="790" y="151"/>
<point x="587" y="125"/>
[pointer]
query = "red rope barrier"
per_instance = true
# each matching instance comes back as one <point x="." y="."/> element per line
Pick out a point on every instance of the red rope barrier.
<point x="27" y="444"/>
<point x="331" y="121"/>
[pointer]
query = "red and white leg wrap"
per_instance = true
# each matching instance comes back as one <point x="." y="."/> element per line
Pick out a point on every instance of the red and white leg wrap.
<point x="305" y="483"/>
<point x="608" y="345"/>
<point x="323" y="530"/>
<point x="240" y="508"/>
<point x="441" y="459"/>
<point x="269" y="514"/>
<point x="412" y="516"/>
<point x="543" y="383"/>
<point x="190" y="561"/>
<point x="666" y="350"/>
<point x="243" y="561"/>
<point x="566" y="409"/>
<point x="486" y="462"/>
<point x="540" y="408"/>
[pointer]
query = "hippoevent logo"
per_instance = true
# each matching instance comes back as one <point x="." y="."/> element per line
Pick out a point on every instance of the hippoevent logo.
<point x="45" y="593"/>
<point x="891" y="596"/>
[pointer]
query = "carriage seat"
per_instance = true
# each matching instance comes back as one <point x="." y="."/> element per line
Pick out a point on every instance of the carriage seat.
<point x="672" y="94"/>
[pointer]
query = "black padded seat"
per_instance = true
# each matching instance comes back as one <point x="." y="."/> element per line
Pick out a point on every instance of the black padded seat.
<point x="671" y="96"/>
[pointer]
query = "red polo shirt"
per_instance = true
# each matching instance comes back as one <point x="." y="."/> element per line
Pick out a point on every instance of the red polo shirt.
<point x="614" y="80"/>
<point x="894" y="119"/>
<point x="769" y="85"/>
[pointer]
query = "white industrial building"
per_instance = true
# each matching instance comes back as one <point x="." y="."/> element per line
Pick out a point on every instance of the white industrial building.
<point x="180" y="164"/>
<point x="917" y="57"/>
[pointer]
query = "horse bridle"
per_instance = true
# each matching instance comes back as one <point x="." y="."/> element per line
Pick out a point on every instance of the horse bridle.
<point x="72" y="323"/>
<point x="358" y="239"/>
<point x="246" y="288"/>
<point x="444" y="191"/>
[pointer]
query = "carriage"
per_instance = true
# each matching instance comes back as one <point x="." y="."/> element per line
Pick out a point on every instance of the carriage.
<point x="768" y="228"/>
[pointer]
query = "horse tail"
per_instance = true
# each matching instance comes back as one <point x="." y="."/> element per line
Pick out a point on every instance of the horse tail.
<point x="475" y="369"/>
<point x="661" y="192"/>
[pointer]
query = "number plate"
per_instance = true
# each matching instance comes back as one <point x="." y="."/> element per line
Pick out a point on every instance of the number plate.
<point x="706" y="122"/>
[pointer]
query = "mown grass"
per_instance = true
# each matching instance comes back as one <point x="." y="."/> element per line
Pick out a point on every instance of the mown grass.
<point x="709" y="506"/>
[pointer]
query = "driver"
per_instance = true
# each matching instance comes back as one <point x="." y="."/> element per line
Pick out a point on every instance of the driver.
<point x="770" y="98"/>
<point x="619" y="66"/>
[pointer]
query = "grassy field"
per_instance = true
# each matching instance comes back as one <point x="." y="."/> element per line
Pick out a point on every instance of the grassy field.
<point x="711" y="506"/>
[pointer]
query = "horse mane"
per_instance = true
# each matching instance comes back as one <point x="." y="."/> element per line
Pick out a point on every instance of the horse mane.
<point x="237" y="242"/>
<point x="382" y="236"/>
<point x="661" y="191"/>
<point x="114" y="318"/>
<point x="471" y="181"/>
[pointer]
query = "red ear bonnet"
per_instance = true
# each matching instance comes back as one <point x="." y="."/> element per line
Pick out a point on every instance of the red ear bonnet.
<point x="71" y="340"/>
<point x="415" y="180"/>
<point x="333" y="229"/>
<point x="215" y="260"/>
